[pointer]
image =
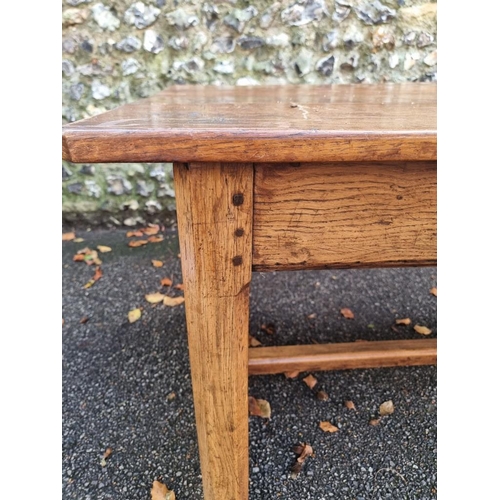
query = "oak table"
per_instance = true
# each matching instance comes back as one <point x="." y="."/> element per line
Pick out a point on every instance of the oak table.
<point x="277" y="178"/>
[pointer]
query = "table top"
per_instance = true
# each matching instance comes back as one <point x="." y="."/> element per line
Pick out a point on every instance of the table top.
<point x="291" y="123"/>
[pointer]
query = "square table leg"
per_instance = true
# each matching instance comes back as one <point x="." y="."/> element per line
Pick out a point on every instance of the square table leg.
<point x="215" y="209"/>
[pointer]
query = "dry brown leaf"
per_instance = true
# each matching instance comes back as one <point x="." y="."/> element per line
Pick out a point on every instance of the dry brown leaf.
<point x="166" y="282"/>
<point x="259" y="407"/>
<point x="103" y="248"/>
<point x="179" y="286"/>
<point x="79" y="257"/>
<point x="68" y="236"/>
<point x="173" y="301"/>
<point x="322" y="396"/>
<point x="137" y="233"/>
<point x="84" y="320"/>
<point x="171" y="396"/>
<point x="347" y="313"/>
<point x="151" y="230"/>
<point x="154" y="298"/>
<point x="155" y="239"/>
<point x="134" y="315"/>
<point x="434" y="291"/>
<point x="293" y="374"/>
<point x="328" y="427"/>
<point x="253" y="341"/>
<point x="304" y="450"/>
<point x="403" y="321"/>
<point x="160" y="492"/>
<point x="268" y="328"/>
<point x="157" y="263"/>
<point x="423" y="330"/>
<point x="311" y="316"/>
<point x="374" y="421"/>
<point x="386" y="408"/>
<point x="350" y="405"/>
<point x="97" y="276"/>
<point x="137" y="243"/>
<point x="106" y="455"/>
<point x="310" y="381"/>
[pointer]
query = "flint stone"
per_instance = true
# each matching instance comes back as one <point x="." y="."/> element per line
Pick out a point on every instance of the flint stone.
<point x="410" y="38"/>
<point x="179" y="42"/>
<point x="99" y="90"/>
<point x="130" y="205"/>
<point x="375" y="12"/>
<point x="157" y="172"/>
<point x="331" y="41"/>
<point x="93" y="189"/>
<point x="239" y="17"/>
<point x="87" y="170"/>
<point x="153" y="206"/>
<point x="71" y="17"/>
<point x="104" y="17"/>
<point x="303" y="62"/>
<point x="250" y="42"/>
<point x="117" y="185"/>
<point x="153" y="42"/>
<point x="75" y="188"/>
<point x="304" y="12"/>
<point x="165" y="190"/>
<point x="145" y="188"/>
<point x="68" y="67"/>
<point x="66" y="173"/>
<point x="130" y="66"/>
<point x="211" y="14"/>
<point x="383" y="37"/>
<point x="393" y="61"/>
<point x="431" y="58"/>
<point x="181" y="19"/>
<point x="129" y="44"/>
<point x="350" y="63"/>
<point x="281" y="40"/>
<point x="140" y="15"/>
<point x="325" y="65"/>
<point x="341" y="13"/>
<point x="268" y="16"/>
<point x="424" y="39"/>
<point x="223" y="45"/>
<point x="247" y="82"/>
<point x="76" y="91"/>
<point x="74" y="3"/>
<point x="87" y="46"/>
<point x="69" y="45"/>
<point x="224" y="67"/>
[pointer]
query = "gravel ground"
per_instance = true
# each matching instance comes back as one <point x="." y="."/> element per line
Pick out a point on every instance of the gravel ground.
<point x="119" y="382"/>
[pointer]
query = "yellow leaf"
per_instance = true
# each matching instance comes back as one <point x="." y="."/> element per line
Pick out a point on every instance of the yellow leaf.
<point x="386" y="408"/>
<point x="103" y="248"/>
<point x="137" y="243"/>
<point x="259" y="407"/>
<point x="160" y="492"/>
<point x="423" y="330"/>
<point x="404" y="321"/>
<point x="328" y="427"/>
<point x="157" y="263"/>
<point x="154" y="298"/>
<point x="134" y="315"/>
<point x="78" y="240"/>
<point x="173" y="301"/>
<point x="166" y="282"/>
<point x="310" y="381"/>
<point x="68" y="236"/>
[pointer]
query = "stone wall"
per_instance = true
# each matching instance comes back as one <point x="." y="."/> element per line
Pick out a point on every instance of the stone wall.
<point x="117" y="51"/>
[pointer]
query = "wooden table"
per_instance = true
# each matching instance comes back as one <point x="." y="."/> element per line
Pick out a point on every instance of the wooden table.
<point x="272" y="178"/>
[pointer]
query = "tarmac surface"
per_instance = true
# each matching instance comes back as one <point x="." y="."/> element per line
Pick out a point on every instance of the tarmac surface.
<point x="126" y="386"/>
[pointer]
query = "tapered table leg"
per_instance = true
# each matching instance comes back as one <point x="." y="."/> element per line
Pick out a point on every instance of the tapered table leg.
<point x="214" y="213"/>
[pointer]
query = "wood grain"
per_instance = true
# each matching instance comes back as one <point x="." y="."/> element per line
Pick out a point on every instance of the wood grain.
<point x="291" y="123"/>
<point x="314" y="216"/>
<point x="214" y="207"/>
<point x="342" y="356"/>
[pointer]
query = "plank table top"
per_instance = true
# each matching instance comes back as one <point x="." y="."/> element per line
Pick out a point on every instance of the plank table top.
<point x="290" y="123"/>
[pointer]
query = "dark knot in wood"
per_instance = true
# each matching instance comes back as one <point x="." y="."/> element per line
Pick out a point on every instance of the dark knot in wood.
<point x="237" y="199"/>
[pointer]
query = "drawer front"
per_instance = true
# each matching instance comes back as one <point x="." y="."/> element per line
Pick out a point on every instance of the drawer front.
<point x="343" y="215"/>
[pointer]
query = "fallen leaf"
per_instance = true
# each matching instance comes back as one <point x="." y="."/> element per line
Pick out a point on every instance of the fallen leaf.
<point x="62" y="322"/>
<point x="68" y="236"/>
<point x="84" y="320"/>
<point x="103" y="248"/>
<point x="179" y="286"/>
<point x="155" y="239"/>
<point x="434" y="291"/>
<point x="92" y="258"/>
<point x="311" y="316"/>
<point x="166" y="282"/>
<point x="423" y="330"/>
<point x="97" y="276"/>
<point x="293" y="374"/>
<point x="259" y="407"/>
<point x="404" y="321"/>
<point x="78" y="240"/>
<point x="374" y="421"/>
<point x="386" y="408"/>
<point x="171" y="396"/>
<point x="154" y="298"/>
<point x="253" y="341"/>
<point x="328" y="427"/>
<point x="304" y="450"/>
<point x="137" y="234"/>
<point x="151" y="230"/>
<point x="106" y="455"/>
<point x="78" y="257"/>
<point x="371" y="325"/>
<point x="137" y="243"/>
<point x="157" y="263"/>
<point x="160" y="492"/>
<point x="173" y="301"/>
<point x="134" y="315"/>
<point x="310" y="381"/>
<point x="350" y="405"/>
<point x="322" y="396"/>
<point x="268" y="328"/>
<point x="347" y="313"/>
